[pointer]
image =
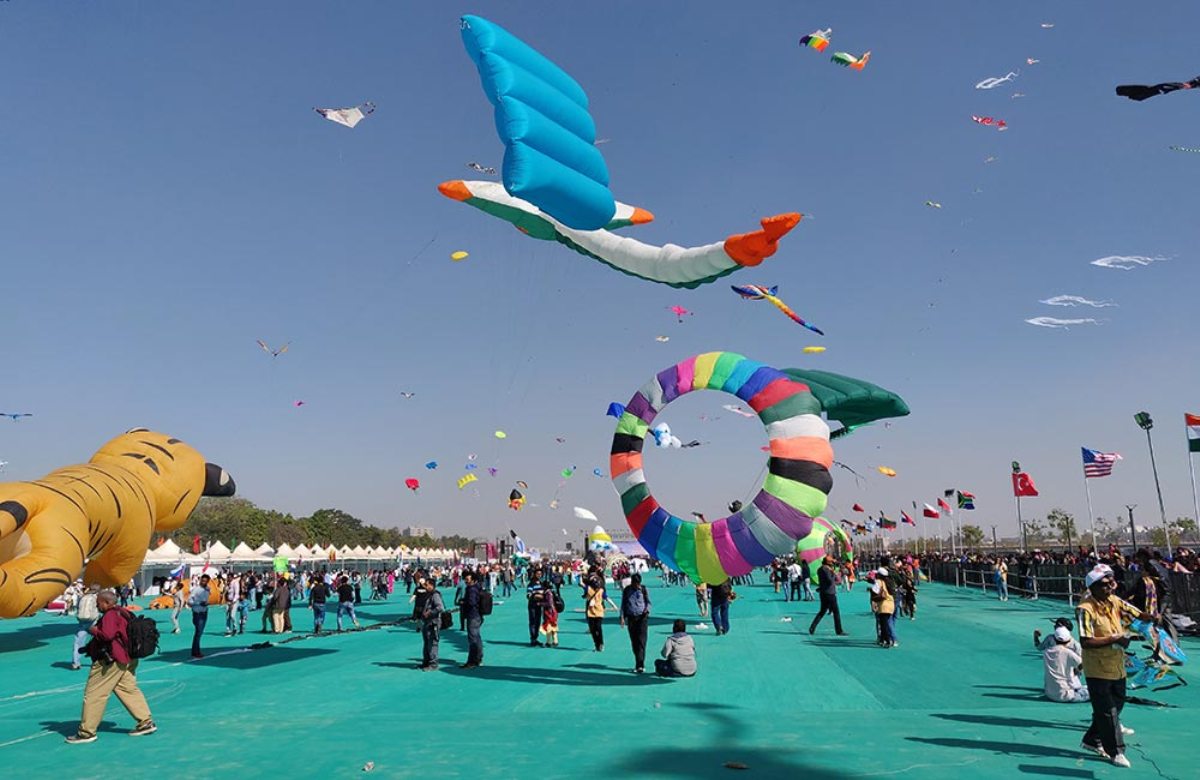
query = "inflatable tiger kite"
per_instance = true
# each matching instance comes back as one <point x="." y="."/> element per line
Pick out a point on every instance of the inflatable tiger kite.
<point x="97" y="518"/>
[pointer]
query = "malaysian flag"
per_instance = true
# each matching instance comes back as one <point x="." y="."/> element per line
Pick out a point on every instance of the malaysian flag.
<point x="1098" y="464"/>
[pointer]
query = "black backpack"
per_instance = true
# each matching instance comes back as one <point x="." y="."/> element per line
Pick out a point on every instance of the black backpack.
<point x="447" y="620"/>
<point x="559" y="604"/>
<point x="143" y="636"/>
<point x="485" y="603"/>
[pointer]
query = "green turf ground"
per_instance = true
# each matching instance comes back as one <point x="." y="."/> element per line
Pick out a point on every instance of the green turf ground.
<point x="959" y="698"/>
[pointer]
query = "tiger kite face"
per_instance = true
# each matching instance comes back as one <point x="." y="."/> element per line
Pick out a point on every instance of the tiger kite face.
<point x="175" y="474"/>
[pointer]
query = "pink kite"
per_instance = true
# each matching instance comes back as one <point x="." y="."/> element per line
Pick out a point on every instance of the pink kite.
<point x="679" y="311"/>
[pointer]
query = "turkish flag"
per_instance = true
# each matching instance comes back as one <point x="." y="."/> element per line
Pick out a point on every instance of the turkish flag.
<point x="1023" y="485"/>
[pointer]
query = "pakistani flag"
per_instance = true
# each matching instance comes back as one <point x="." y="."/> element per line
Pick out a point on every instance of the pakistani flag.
<point x="1192" y="421"/>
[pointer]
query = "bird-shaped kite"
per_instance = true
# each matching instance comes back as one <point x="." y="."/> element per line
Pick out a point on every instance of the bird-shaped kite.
<point x="16" y="416"/>
<point x="757" y="292"/>
<point x="273" y="352"/>
<point x="406" y="395"/>
<point x="347" y="117"/>
<point x="850" y="61"/>
<point x="818" y="39"/>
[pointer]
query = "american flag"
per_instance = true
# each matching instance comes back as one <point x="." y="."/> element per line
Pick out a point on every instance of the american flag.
<point x="1098" y="464"/>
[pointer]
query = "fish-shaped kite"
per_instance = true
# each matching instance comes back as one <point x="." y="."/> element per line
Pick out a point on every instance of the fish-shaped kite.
<point x="347" y="117"/>
<point x="757" y="292"/>
<point x="1141" y="92"/>
<point x="850" y="61"/>
<point x="273" y="352"/>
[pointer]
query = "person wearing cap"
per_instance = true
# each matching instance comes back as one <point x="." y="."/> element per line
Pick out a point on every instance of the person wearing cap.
<point x="883" y="604"/>
<point x="1061" y="662"/>
<point x="1044" y="644"/>
<point x="1102" y="622"/>
<point x="827" y="591"/>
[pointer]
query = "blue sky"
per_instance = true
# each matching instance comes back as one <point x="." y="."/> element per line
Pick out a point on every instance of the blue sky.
<point x="169" y="197"/>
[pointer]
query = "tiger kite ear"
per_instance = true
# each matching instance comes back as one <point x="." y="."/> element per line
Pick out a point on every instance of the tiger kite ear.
<point x="217" y="481"/>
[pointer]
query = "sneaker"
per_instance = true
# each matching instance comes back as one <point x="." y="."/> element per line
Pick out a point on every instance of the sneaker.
<point x="176" y="631"/>
<point x="1127" y="731"/>
<point x="1097" y="749"/>
<point x="76" y="667"/>
<point x="143" y="729"/>
<point x="1120" y="760"/>
<point x="80" y="739"/>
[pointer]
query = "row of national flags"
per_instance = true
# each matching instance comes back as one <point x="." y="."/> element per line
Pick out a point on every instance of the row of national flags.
<point x="1096" y="464"/>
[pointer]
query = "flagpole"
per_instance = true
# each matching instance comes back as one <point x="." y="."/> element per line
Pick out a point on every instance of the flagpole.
<point x="1192" y="471"/>
<point x="1021" y="526"/>
<point x="1091" y="524"/>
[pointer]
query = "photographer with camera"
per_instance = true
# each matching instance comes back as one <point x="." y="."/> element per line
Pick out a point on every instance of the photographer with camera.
<point x="114" y="670"/>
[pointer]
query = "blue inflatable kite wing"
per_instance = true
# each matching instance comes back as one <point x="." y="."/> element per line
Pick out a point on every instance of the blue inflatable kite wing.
<point x="551" y="159"/>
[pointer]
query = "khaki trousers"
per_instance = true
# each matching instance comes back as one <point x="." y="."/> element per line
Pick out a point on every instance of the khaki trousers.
<point x="277" y="620"/>
<point x="104" y="680"/>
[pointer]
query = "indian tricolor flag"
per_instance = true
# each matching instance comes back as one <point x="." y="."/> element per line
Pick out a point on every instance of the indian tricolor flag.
<point x="1192" y="421"/>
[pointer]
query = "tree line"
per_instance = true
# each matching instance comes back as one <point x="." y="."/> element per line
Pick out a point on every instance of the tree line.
<point x="234" y="520"/>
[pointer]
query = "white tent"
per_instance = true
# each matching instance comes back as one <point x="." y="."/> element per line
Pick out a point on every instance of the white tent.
<point x="264" y="549"/>
<point x="345" y="553"/>
<point x="303" y="552"/>
<point x="167" y="552"/>
<point x="217" y="553"/>
<point x="320" y="553"/>
<point x="243" y="554"/>
<point x="286" y="551"/>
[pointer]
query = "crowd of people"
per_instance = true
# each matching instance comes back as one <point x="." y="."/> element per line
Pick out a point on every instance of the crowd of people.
<point x="1118" y="589"/>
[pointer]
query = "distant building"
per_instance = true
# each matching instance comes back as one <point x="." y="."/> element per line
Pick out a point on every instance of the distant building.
<point x="417" y="532"/>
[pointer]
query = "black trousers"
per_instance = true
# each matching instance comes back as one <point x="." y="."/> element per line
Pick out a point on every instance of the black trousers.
<point x="596" y="629"/>
<point x="828" y="605"/>
<point x="535" y="622"/>
<point x="637" y="638"/>
<point x="1107" y="700"/>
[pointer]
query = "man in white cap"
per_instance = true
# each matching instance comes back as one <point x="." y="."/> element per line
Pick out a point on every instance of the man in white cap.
<point x="1102" y="621"/>
<point x="1061" y="662"/>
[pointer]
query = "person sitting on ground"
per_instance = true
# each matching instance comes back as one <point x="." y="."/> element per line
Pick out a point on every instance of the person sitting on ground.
<point x="678" y="654"/>
<point x="1044" y="644"/>
<point x="1061" y="663"/>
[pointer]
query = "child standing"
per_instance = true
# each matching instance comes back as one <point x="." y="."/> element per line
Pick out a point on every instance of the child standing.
<point x="549" y="627"/>
<point x="702" y="598"/>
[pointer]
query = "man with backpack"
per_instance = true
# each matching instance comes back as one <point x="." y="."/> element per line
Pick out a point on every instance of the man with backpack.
<point x="115" y="650"/>
<point x="635" y="613"/>
<point x="431" y="626"/>
<point x="476" y="604"/>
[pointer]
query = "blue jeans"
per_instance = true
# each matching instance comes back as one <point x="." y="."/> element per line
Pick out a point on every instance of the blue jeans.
<point x="720" y="617"/>
<point x="1002" y="587"/>
<point x="474" y="641"/>
<point x="198" y="621"/>
<point x="346" y="608"/>
<point x="429" y="651"/>
<point x="891" y="624"/>
<point x="318" y="608"/>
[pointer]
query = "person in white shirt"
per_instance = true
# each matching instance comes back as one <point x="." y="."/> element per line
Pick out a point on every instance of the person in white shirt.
<point x="233" y="598"/>
<point x="794" y="578"/>
<point x="1061" y="663"/>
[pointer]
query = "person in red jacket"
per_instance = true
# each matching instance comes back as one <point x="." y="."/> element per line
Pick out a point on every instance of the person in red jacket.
<point x="113" y="671"/>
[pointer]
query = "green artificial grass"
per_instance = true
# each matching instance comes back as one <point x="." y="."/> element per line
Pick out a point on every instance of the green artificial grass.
<point x="961" y="696"/>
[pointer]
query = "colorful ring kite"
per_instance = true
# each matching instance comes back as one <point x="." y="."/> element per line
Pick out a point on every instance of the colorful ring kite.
<point x="795" y="491"/>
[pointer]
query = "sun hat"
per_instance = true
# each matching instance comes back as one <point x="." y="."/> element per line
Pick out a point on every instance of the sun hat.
<point x="1098" y="573"/>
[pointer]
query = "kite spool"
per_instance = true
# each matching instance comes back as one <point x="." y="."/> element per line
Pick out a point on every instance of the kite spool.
<point x="795" y="491"/>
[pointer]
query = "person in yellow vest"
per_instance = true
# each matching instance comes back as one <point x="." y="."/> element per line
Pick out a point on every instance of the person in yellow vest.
<point x="1103" y="619"/>
<point x="883" y="604"/>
